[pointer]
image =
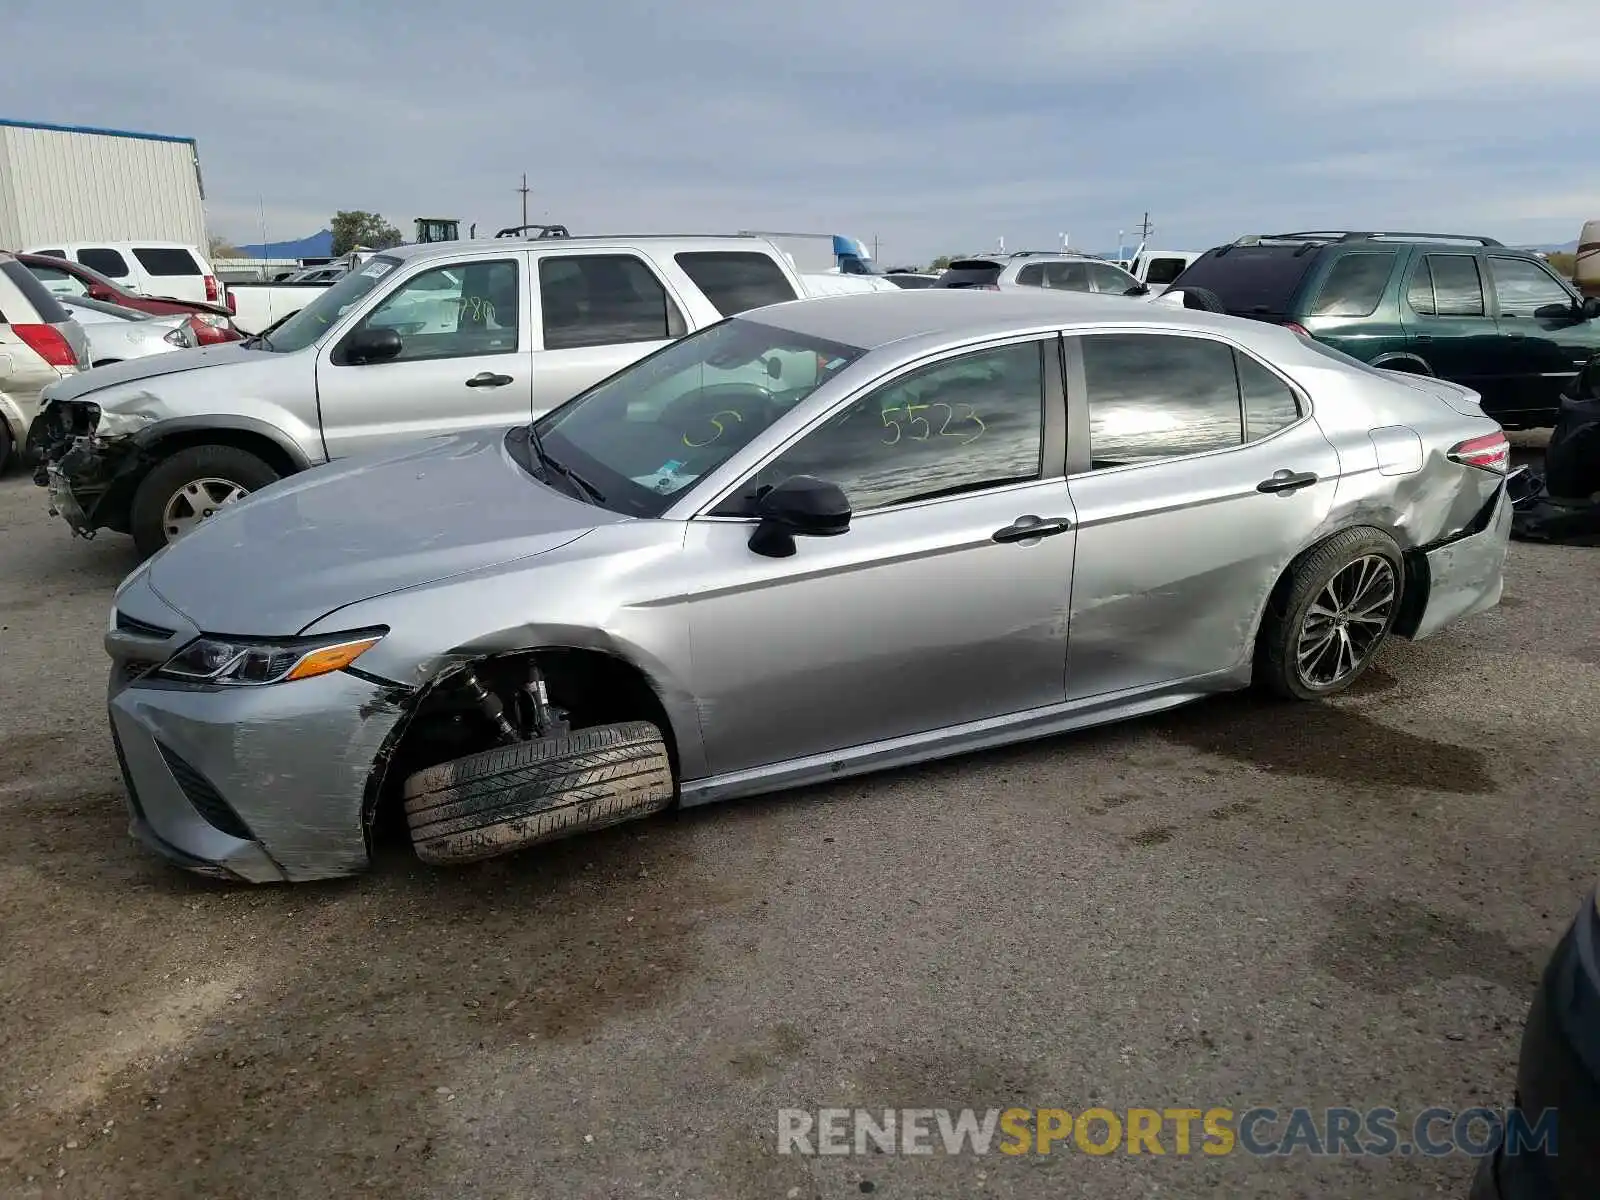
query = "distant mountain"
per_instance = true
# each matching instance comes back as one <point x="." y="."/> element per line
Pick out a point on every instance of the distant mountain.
<point x="318" y="245"/>
<point x="1565" y="248"/>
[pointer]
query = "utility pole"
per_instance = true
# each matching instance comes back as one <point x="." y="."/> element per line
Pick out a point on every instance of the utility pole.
<point x="874" y="247"/>
<point x="1145" y="228"/>
<point x="524" y="190"/>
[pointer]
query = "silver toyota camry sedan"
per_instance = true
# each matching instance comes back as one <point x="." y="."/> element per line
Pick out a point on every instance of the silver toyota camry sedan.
<point x="818" y="539"/>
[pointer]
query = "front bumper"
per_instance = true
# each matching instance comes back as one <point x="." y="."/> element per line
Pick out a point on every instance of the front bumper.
<point x="260" y="784"/>
<point x="92" y="483"/>
<point x="1559" y="1068"/>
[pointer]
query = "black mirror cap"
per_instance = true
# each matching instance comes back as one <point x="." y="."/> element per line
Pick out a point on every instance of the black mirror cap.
<point x="806" y="505"/>
<point x="803" y="505"/>
<point x="1590" y="307"/>
<point x="374" y="344"/>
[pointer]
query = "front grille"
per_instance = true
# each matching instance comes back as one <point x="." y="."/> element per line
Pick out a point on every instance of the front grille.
<point x="207" y="801"/>
<point x="134" y="669"/>
<point x="142" y="628"/>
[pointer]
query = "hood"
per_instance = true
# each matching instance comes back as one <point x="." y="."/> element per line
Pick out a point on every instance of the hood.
<point x="1460" y="399"/>
<point x="279" y="560"/>
<point x="153" y="367"/>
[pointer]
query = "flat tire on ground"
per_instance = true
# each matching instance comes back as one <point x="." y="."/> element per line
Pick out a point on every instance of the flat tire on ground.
<point x="512" y="797"/>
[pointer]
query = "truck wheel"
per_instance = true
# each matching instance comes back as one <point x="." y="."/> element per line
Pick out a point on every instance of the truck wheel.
<point x="5" y="445"/>
<point x="1326" y="621"/>
<point x="185" y="488"/>
<point x="511" y="797"/>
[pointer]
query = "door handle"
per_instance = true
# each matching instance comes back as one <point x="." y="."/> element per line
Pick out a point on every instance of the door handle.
<point x="1024" y="528"/>
<point x="1286" y="481"/>
<point x="488" y="379"/>
<point x="1424" y="337"/>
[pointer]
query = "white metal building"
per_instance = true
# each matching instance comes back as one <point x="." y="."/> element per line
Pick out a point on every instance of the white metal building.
<point x="65" y="183"/>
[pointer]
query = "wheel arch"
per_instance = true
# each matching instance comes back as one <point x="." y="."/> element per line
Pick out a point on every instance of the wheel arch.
<point x="1413" y="559"/>
<point x="266" y="441"/>
<point x="1414" y="364"/>
<point x="625" y="688"/>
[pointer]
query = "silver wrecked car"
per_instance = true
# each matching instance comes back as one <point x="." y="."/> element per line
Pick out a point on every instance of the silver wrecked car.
<point x="817" y="539"/>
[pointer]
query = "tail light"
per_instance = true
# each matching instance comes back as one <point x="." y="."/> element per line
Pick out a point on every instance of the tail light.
<point x="1293" y="327"/>
<point x="1491" y="452"/>
<point x="183" y="337"/>
<point x="46" y="341"/>
<point x="210" y="329"/>
<point x="233" y="304"/>
<point x="211" y="288"/>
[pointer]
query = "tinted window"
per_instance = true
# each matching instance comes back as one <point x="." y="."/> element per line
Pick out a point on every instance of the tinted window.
<point x="1154" y="396"/>
<point x="603" y="300"/>
<point x="1419" y="291"/>
<point x="736" y="282"/>
<point x="35" y="293"/>
<point x="1032" y="275"/>
<point x="166" y="260"/>
<point x="1067" y="276"/>
<point x="1163" y="270"/>
<point x="474" y="312"/>
<point x="105" y="260"/>
<point x="967" y="273"/>
<point x="963" y="424"/>
<point x="1269" y="403"/>
<point x="1110" y="280"/>
<point x="1354" y="286"/>
<point x="1522" y="287"/>
<point x="1250" y="280"/>
<point x="60" y="282"/>
<point x="1457" y="287"/>
<point x="52" y="253"/>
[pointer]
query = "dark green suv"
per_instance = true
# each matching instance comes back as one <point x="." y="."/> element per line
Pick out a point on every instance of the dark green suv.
<point x="1467" y="309"/>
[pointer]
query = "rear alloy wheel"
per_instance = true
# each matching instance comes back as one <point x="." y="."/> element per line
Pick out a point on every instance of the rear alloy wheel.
<point x="186" y="488"/>
<point x="1325" y="626"/>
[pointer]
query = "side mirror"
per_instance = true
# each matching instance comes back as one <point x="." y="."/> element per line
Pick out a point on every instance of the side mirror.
<point x="803" y="506"/>
<point x="1137" y="289"/>
<point x="375" y="343"/>
<point x="1590" y="308"/>
<point x="1559" y="312"/>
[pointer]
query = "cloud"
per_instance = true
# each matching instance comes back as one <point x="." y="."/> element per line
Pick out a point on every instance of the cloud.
<point x="937" y="126"/>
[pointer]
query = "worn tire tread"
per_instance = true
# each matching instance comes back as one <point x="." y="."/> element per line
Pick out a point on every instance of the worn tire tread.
<point x="510" y="797"/>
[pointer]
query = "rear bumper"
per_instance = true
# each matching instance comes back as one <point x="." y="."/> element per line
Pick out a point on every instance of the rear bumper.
<point x="1466" y="575"/>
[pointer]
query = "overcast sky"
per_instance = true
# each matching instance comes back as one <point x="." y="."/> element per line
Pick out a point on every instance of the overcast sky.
<point x="935" y="125"/>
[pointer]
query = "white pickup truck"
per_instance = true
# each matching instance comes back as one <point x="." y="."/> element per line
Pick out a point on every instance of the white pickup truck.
<point x="420" y="340"/>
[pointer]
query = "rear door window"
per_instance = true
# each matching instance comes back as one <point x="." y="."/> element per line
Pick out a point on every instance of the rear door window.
<point x="1446" y="285"/>
<point x="736" y="281"/>
<point x="60" y="283"/>
<point x="1354" y="286"/>
<point x="1155" y="396"/>
<point x="104" y="259"/>
<point x="1251" y="281"/>
<point x="1031" y="275"/>
<point x="1269" y="403"/>
<point x="970" y="272"/>
<point x="166" y="260"/>
<point x="604" y="300"/>
<point x="1067" y="276"/>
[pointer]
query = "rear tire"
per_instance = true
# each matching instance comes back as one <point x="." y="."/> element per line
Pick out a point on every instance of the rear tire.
<point x="5" y="445"/>
<point x="512" y="797"/>
<point x="1330" y="615"/>
<point x="150" y="516"/>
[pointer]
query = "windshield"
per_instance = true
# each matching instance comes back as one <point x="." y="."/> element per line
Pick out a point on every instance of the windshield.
<point x="653" y="429"/>
<point x="316" y="318"/>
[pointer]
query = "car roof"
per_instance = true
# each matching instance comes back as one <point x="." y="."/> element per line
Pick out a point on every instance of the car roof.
<point x="953" y="315"/>
<point x="681" y="242"/>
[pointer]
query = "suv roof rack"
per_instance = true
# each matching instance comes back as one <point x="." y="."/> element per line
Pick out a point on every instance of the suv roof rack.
<point x="544" y="231"/>
<point x="1341" y="235"/>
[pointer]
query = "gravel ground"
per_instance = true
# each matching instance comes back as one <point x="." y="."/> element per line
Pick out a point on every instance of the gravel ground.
<point x="1229" y="905"/>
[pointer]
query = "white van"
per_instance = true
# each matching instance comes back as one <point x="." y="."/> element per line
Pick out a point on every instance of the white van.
<point x="150" y="267"/>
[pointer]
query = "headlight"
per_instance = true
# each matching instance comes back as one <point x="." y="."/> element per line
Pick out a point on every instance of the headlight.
<point x="243" y="662"/>
<point x="120" y="424"/>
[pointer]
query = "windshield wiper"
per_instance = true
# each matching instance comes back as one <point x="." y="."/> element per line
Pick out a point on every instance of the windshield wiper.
<point x="551" y="464"/>
<point x="259" y="339"/>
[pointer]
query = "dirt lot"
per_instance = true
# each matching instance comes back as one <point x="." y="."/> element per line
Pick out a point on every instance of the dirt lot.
<point x="1234" y="904"/>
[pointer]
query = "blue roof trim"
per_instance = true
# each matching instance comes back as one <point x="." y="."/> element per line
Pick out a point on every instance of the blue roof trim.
<point x="126" y="133"/>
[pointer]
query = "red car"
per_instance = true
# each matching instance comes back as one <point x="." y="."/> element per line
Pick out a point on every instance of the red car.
<point x="212" y="323"/>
